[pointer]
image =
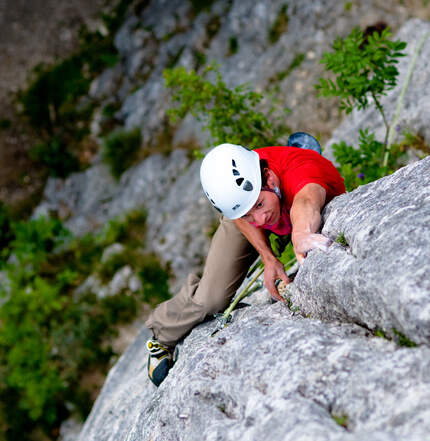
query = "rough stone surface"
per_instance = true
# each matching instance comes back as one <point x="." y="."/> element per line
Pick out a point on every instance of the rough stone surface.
<point x="167" y="187"/>
<point x="382" y="278"/>
<point x="272" y="374"/>
<point x="269" y="376"/>
<point x="156" y="40"/>
<point x="281" y="375"/>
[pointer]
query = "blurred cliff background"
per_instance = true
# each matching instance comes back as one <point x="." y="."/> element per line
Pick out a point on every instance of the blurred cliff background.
<point x="101" y="210"/>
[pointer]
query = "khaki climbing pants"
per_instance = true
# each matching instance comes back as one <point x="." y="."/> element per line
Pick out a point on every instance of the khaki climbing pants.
<point x="229" y="258"/>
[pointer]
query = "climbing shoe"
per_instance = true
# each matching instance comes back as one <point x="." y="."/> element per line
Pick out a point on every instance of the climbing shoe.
<point x="160" y="360"/>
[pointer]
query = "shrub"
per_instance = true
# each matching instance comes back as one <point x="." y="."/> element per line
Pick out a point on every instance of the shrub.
<point x="362" y="165"/>
<point x="227" y="113"/>
<point x="49" y="336"/>
<point x="155" y="287"/>
<point x="53" y="101"/>
<point x="6" y="233"/>
<point x="121" y="150"/>
<point x="364" y="67"/>
<point x="56" y="157"/>
<point x="279" y="26"/>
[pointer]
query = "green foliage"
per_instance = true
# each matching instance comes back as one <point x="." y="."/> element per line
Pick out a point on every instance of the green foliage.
<point x="363" y="165"/>
<point x="154" y="279"/>
<point x="121" y="149"/>
<point x="110" y="109"/>
<point x="47" y="99"/>
<point x="279" y="26"/>
<point x="342" y="420"/>
<point x="297" y="61"/>
<point x="282" y="247"/>
<point x="6" y="233"/>
<point x="112" y="265"/>
<point x="348" y="6"/>
<point x="228" y="114"/>
<point x="200" y="5"/>
<point x="55" y="156"/>
<point x="49" y="336"/>
<point x="129" y="229"/>
<point x="53" y="100"/>
<point x="381" y="334"/>
<point x="233" y="46"/>
<point x="5" y="123"/>
<point x="35" y="240"/>
<point x="402" y="340"/>
<point x="362" y="68"/>
<point x="340" y="239"/>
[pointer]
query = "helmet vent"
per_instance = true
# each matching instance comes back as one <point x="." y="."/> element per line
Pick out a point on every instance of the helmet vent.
<point x="247" y="186"/>
<point x="233" y="163"/>
<point x="236" y="206"/>
<point x="239" y="181"/>
<point x="235" y="172"/>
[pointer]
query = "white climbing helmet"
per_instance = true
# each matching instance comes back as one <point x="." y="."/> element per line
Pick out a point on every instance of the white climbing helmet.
<point x="231" y="178"/>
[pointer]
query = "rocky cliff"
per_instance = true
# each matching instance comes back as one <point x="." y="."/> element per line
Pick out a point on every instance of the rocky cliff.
<point x="334" y="370"/>
<point x="323" y="373"/>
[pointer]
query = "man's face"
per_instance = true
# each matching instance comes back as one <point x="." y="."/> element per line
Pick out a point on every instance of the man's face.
<point x="266" y="210"/>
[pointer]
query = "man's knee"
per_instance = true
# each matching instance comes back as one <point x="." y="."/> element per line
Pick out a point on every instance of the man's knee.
<point x="216" y="302"/>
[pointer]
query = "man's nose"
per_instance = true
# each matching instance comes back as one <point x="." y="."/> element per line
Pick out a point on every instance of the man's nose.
<point x="260" y="219"/>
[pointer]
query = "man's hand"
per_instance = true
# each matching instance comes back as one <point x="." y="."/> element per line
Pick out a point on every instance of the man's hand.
<point x="273" y="270"/>
<point x="304" y="242"/>
<point x="306" y="219"/>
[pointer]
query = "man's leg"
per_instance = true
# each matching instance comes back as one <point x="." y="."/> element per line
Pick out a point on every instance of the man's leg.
<point x="229" y="258"/>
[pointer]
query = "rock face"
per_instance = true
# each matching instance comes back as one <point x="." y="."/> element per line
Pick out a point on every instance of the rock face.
<point x="273" y="374"/>
<point x="169" y="189"/>
<point x="320" y="374"/>
<point x="168" y="186"/>
<point x="381" y="278"/>
<point x="235" y="34"/>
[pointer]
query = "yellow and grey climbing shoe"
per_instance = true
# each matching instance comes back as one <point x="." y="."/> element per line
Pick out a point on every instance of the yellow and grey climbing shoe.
<point x="160" y="360"/>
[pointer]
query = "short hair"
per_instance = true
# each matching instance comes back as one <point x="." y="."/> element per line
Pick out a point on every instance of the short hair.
<point x="263" y="166"/>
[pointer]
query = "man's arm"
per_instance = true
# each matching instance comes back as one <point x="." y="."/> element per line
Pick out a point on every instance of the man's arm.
<point x="305" y="217"/>
<point x="273" y="268"/>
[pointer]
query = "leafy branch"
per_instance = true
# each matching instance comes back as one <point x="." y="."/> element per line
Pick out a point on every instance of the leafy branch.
<point x="228" y="114"/>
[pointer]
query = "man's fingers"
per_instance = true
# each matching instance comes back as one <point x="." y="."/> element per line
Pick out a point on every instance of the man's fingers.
<point x="275" y="294"/>
<point x="285" y="278"/>
<point x="273" y="291"/>
<point x="300" y="258"/>
<point x="323" y="245"/>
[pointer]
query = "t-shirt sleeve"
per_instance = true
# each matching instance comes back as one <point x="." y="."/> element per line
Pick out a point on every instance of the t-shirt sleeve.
<point x="315" y="170"/>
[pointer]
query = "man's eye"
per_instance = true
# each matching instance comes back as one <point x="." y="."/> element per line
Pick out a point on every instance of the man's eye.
<point x="260" y="204"/>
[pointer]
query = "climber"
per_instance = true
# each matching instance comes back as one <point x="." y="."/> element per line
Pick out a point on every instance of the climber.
<point x="271" y="189"/>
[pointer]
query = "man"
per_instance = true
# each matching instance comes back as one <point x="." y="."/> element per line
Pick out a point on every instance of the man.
<point x="271" y="189"/>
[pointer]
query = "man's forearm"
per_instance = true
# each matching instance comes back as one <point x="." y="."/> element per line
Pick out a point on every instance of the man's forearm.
<point x="305" y="215"/>
<point x="273" y="268"/>
<point x="257" y="238"/>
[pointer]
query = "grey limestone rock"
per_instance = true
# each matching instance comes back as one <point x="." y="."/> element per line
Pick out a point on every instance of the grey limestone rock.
<point x="269" y="376"/>
<point x="167" y="187"/>
<point x="382" y="277"/>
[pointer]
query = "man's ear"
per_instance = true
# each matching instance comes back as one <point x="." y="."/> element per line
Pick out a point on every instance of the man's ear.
<point x="271" y="178"/>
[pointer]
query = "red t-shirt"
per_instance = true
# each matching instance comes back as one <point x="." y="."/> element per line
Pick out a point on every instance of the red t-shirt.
<point x="296" y="167"/>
